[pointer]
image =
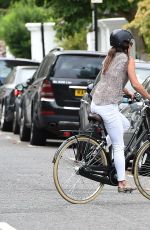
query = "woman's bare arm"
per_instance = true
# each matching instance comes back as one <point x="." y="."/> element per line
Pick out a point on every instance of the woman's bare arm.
<point x="128" y="93"/>
<point x="134" y="81"/>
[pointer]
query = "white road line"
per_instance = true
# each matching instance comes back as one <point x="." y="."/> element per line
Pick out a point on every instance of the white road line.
<point x="5" y="226"/>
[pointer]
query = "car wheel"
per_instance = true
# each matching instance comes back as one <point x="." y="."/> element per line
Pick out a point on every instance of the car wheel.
<point x="24" y="131"/>
<point x="5" y="125"/>
<point x="15" y="124"/>
<point x="37" y="136"/>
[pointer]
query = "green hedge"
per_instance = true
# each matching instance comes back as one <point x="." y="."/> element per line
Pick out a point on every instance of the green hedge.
<point x="13" y="29"/>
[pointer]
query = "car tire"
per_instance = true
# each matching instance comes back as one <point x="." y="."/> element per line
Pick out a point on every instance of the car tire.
<point x="37" y="136"/>
<point x="5" y="125"/>
<point x="24" y="131"/>
<point x="15" y="124"/>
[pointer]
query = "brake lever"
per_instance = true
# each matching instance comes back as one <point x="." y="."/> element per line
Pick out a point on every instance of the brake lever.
<point x="147" y="102"/>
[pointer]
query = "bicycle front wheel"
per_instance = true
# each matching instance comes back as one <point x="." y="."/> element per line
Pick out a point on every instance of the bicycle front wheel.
<point x="142" y="170"/>
<point x="70" y="184"/>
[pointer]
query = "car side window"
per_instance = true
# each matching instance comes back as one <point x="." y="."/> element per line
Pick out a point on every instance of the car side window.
<point x="10" y="78"/>
<point x="45" y="66"/>
<point x="97" y="78"/>
<point x="147" y="87"/>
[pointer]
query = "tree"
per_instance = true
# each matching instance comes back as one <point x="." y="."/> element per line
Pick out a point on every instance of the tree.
<point x="142" y="22"/>
<point x="73" y="15"/>
<point x="13" y="29"/>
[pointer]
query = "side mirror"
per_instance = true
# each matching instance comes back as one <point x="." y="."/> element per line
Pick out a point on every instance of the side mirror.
<point x="89" y="88"/>
<point x="19" y="87"/>
<point x="18" y="90"/>
<point x="29" y="81"/>
<point x="1" y="82"/>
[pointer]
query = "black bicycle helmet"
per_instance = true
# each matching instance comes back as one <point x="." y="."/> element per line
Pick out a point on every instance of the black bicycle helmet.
<point x="119" y="36"/>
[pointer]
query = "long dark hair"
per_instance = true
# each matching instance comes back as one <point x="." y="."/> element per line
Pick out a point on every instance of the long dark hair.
<point x="112" y="52"/>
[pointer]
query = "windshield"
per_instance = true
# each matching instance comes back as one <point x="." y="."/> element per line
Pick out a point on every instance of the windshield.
<point x="78" y="66"/>
<point x="5" y="68"/>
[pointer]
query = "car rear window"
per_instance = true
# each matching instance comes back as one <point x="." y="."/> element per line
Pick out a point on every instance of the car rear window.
<point x="24" y="74"/>
<point x="77" y="66"/>
<point x="7" y="65"/>
<point x="142" y="74"/>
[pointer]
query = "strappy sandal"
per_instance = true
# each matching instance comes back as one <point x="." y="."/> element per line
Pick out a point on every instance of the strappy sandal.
<point x="126" y="190"/>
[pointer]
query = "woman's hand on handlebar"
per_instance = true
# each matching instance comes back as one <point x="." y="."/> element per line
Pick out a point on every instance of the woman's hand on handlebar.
<point x="128" y="94"/>
<point x="131" y="95"/>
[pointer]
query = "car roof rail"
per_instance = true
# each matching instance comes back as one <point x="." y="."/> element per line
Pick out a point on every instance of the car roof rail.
<point x="57" y="49"/>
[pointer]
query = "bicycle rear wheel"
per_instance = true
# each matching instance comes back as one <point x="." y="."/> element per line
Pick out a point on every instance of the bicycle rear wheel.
<point x="142" y="170"/>
<point x="70" y="184"/>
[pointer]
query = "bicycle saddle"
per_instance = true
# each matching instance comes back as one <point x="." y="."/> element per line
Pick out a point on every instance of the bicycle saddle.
<point x="94" y="117"/>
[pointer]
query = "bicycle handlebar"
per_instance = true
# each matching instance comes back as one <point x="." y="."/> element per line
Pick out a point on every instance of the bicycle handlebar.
<point x="137" y="98"/>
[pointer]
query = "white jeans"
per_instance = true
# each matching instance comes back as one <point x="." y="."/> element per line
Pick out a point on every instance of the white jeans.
<point x="116" y="124"/>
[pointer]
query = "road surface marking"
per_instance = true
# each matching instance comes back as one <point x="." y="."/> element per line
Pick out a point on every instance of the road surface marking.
<point x="5" y="226"/>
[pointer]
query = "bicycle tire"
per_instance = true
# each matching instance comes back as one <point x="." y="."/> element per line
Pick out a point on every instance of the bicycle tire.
<point x="64" y="177"/>
<point x="142" y="170"/>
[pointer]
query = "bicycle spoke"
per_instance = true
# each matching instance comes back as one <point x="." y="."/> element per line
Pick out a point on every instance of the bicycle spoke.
<point x="142" y="170"/>
<point x="70" y="184"/>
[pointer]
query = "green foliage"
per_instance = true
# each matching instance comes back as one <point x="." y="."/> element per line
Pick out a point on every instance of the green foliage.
<point x="142" y="21"/>
<point x="6" y="3"/>
<point x="70" y="15"/>
<point x="13" y="29"/>
<point x="125" y="8"/>
<point x="75" y="42"/>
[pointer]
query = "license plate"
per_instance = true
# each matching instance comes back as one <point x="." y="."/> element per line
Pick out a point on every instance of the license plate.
<point x="80" y="92"/>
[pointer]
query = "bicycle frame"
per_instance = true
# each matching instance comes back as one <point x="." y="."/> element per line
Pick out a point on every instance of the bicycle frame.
<point x="138" y="135"/>
<point x="107" y="175"/>
<point x="87" y="157"/>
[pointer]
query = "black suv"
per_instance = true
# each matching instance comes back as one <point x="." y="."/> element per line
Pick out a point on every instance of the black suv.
<point x="50" y="105"/>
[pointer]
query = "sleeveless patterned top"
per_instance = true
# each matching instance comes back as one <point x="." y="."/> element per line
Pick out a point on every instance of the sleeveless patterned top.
<point x="109" y="90"/>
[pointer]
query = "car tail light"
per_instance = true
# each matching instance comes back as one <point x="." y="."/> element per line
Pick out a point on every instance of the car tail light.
<point x="46" y="89"/>
<point x="17" y="92"/>
<point x="47" y="113"/>
<point x="67" y="134"/>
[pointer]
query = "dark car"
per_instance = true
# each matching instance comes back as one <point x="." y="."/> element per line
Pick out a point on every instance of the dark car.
<point x="7" y="64"/>
<point x="50" y="105"/>
<point x="9" y="96"/>
<point x="142" y="72"/>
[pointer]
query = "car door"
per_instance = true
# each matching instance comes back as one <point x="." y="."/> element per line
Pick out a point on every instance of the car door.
<point x="32" y="93"/>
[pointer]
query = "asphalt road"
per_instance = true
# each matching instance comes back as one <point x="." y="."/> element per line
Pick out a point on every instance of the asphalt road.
<point x="29" y="200"/>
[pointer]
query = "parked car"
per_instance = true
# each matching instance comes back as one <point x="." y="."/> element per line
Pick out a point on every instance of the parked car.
<point x="50" y="105"/>
<point x="131" y="111"/>
<point x="142" y="72"/>
<point x="7" y="64"/>
<point x="9" y="96"/>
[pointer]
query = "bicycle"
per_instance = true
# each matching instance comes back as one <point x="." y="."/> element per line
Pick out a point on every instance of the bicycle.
<point x="82" y="166"/>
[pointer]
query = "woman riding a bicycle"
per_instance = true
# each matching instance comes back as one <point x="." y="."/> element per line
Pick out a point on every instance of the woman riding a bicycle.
<point x="118" y="68"/>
